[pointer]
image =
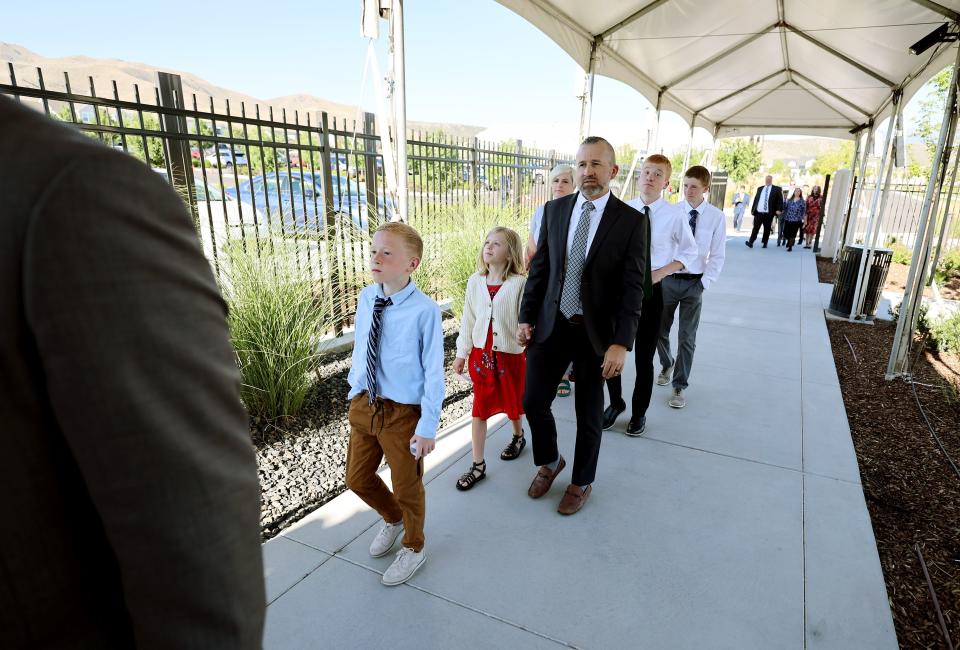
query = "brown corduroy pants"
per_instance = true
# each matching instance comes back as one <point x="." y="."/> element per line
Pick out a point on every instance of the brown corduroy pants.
<point x="384" y="429"/>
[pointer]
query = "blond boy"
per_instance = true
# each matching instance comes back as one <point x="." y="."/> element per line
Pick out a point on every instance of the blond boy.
<point x="396" y="392"/>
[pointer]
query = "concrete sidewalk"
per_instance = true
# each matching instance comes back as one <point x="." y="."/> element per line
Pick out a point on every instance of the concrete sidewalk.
<point x="737" y="522"/>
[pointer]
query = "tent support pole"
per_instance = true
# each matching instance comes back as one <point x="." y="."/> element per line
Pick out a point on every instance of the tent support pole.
<point x="586" y="100"/>
<point x="853" y="215"/>
<point x="686" y="157"/>
<point x="873" y="223"/>
<point x="913" y="292"/>
<point x="400" y="108"/>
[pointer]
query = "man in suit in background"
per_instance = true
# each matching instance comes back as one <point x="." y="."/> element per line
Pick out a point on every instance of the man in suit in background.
<point x="131" y="500"/>
<point x="581" y="303"/>
<point x="767" y="203"/>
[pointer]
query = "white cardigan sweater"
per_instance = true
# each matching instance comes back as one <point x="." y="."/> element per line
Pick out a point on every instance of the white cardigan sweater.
<point x="479" y="311"/>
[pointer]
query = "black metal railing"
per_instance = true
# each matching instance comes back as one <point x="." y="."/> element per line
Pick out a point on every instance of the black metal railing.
<point x="254" y="176"/>
<point x="900" y="218"/>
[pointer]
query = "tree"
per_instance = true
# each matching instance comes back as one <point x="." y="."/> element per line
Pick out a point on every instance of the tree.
<point x="739" y="157"/>
<point x="779" y="169"/>
<point x="828" y="162"/>
<point x="676" y="161"/>
<point x="931" y="111"/>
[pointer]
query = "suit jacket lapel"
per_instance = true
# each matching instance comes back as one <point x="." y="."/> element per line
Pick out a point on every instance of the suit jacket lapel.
<point x="565" y="208"/>
<point x="610" y="214"/>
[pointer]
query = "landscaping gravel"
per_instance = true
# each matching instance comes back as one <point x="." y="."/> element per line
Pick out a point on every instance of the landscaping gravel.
<point x="302" y="461"/>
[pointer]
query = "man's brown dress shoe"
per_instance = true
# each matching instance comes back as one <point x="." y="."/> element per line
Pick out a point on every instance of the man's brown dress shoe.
<point x="544" y="479"/>
<point x="573" y="499"/>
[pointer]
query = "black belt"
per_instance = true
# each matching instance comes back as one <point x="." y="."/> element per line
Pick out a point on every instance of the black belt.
<point x="576" y="319"/>
<point x="687" y="276"/>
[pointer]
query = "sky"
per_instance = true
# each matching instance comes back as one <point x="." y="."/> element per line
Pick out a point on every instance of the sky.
<point x="467" y="62"/>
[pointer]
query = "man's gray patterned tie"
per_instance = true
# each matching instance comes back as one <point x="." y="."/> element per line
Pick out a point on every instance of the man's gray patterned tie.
<point x="570" y="296"/>
<point x="373" y="347"/>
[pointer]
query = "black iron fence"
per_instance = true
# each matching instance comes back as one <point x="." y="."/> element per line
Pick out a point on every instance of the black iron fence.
<point x="253" y="176"/>
<point x="900" y="218"/>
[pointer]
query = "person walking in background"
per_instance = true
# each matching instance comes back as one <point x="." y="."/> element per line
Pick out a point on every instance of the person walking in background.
<point x="562" y="184"/>
<point x="581" y="303"/>
<point x="487" y="344"/>
<point x="740" y="200"/>
<point x="672" y="250"/>
<point x="814" y="210"/>
<point x="793" y="215"/>
<point x="130" y="487"/>
<point x="767" y="203"/>
<point x="396" y="392"/>
<point x="685" y="290"/>
<point x="781" y="240"/>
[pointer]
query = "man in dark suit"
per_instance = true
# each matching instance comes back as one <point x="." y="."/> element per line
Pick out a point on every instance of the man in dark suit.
<point x="581" y="303"/>
<point x="131" y="500"/>
<point x="767" y="203"/>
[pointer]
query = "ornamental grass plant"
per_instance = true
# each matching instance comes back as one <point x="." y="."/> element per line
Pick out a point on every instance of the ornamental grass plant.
<point x="453" y="237"/>
<point x="279" y="309"/>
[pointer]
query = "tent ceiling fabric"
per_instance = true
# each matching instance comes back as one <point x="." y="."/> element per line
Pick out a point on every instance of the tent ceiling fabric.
<point x="744" y="67"/>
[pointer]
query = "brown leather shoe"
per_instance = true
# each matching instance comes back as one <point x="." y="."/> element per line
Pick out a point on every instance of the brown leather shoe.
<point x="544" y="479"/>
<point x="573" y="499"/>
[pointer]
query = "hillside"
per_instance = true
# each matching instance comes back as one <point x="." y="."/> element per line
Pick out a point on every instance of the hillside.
<point x="128" y="73"/>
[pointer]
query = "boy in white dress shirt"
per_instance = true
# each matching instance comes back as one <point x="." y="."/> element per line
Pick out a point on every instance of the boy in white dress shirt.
<point x="685" y="290"/>
<point x="672" y="249"/>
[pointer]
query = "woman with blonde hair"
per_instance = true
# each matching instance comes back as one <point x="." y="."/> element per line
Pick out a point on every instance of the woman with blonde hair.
<point x="487" y="345"/>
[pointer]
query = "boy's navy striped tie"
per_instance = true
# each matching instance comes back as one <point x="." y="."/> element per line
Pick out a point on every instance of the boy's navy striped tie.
<point x="373" y="347"/>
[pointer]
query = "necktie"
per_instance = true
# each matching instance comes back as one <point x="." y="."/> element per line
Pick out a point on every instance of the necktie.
<point x="570" y="295"/>
<point x="373" y="347"/>
<point x="647" y="272"/>
<point x="766" y="199"/>
<point x="693" y="221"/>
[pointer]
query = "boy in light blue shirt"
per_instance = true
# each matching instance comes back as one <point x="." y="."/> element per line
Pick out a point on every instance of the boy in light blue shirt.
<point x="396" y="392"/>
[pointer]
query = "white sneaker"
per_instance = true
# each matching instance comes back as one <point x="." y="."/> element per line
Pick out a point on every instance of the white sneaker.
<point x="403" y="568"/>
<point x="677" y="400"/>
<point x="664" y="377"/>
<point x="385" y="539"/>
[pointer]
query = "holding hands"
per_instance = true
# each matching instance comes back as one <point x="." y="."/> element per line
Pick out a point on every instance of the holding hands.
<point x="524" y="333"/>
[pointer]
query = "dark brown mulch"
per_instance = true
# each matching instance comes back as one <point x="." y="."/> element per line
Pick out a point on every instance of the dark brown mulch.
<point x="912" y="492"/>
<point x="826" y="270"/>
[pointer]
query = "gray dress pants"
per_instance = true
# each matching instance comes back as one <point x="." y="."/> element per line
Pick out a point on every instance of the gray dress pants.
<point x="687" y="294"/>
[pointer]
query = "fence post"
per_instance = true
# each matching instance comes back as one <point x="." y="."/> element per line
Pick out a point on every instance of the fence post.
<point x="332" y="252"/>
<point x="823" y="213"/>
<point x="518" y="178"/>
<point x="175" y="144"/>
<point x="370" y="171"/>
<point x="475" y="170"/>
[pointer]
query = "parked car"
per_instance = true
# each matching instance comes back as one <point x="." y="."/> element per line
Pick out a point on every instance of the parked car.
<point x="299" y="198"/>
<point x="231" y="219"/>
<point x="223" y="156"/>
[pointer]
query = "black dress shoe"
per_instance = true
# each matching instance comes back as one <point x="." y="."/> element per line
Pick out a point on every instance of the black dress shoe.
<point x="749" y="243"/>
<point x="637" y="427"/>
<point x="764" y="245"/>
<point x="610" y="415"/>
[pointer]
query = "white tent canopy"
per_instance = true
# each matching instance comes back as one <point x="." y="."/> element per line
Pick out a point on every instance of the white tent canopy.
<point x="744" y="67"/>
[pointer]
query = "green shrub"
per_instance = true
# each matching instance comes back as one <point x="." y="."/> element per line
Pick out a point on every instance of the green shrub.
<point x="945" y="335"/>
<point x="278" y="312"/>
<point x="452" y="238"/>
<point x="901" y="254"/>
<point x="948" y="267"/>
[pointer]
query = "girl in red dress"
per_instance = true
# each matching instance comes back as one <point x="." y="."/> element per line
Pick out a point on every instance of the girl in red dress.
<point x="488" y="346"/>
